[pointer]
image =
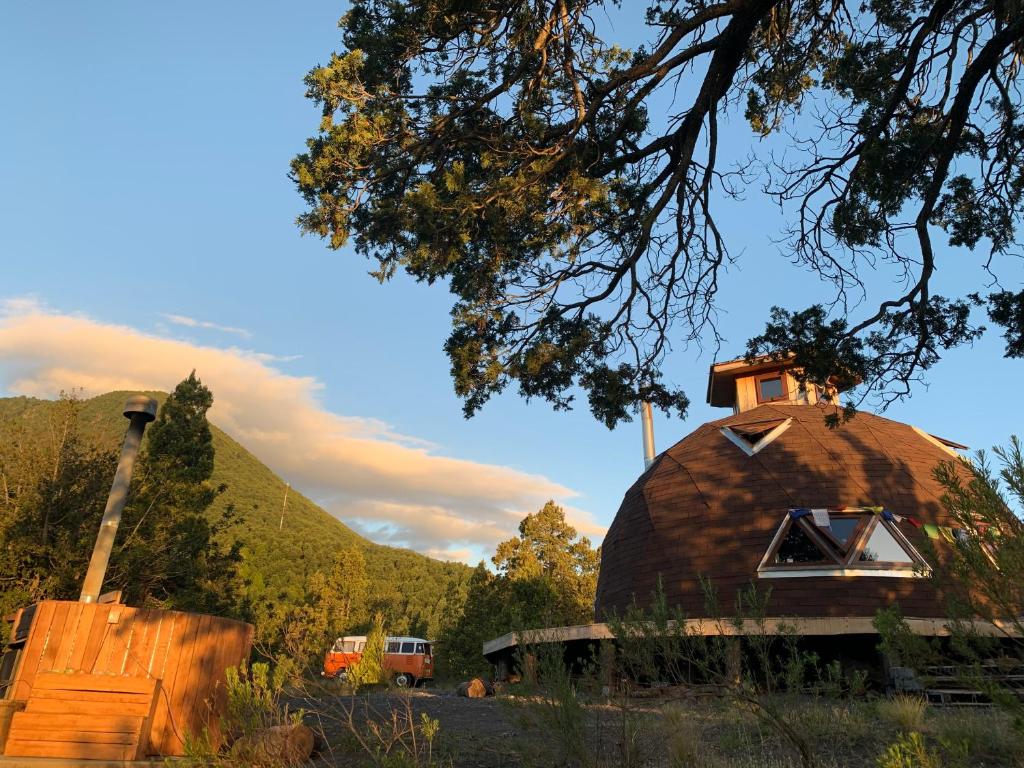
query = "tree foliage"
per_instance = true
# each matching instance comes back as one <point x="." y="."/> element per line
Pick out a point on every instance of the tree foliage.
<point x="369" y="670"/>
<point x="559" y="565"/>
<point x="335" y="603"/>
<point x="547" y="576"/>
<point x="53" y="488"/>
<point x="990" y="557"/>
<point x="566" y="188"/>
<point x="56" y="487"/>
<point x="168" y="553"/>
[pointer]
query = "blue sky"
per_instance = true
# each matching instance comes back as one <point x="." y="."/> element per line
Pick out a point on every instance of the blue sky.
<point x="143" y="155"/>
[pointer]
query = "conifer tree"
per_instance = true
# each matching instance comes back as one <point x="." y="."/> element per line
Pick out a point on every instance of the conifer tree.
<point x="168" y="553"/>
<point x="370" y="668"/>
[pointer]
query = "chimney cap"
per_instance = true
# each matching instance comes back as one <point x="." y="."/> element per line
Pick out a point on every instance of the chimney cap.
<point x="141" y="405"/>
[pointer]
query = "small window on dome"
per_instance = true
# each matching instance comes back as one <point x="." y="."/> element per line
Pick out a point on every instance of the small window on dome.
<point x="882" y="547"/>
<point x="797" y="548"/>
<point x="844" y="530"/>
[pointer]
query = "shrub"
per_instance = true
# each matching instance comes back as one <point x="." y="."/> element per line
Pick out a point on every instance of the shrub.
<point x="909" y="751"/>
<point x="388" y="734"/>
<point x="980" y="735"/>
<point x="684" y="743"/>
<point x="369" y="670"/>
<point x="907" y="712"/>
<point x="253" y="706"/>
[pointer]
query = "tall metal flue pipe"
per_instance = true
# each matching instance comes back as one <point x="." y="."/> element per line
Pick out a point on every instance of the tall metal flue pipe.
<point x="647" y="417"/>
<point x="140" y="410"/>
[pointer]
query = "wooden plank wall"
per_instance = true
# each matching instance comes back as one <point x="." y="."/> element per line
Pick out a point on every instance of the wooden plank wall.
<point x="187" y="652"/>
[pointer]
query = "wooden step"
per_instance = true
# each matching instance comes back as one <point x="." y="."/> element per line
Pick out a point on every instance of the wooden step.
<point x="79" y="716"/>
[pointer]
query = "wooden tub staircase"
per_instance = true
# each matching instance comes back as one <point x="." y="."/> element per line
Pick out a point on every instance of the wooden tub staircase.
<point x="98" y="717"/>
<point x="113" y="684"/>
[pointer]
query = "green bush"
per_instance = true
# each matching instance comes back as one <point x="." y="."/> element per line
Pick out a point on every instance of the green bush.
<point x="369" y="670"/>
<point x="909" y="751"/>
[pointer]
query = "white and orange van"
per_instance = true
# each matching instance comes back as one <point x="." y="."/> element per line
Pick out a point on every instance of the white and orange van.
<point x="409" y="660"/>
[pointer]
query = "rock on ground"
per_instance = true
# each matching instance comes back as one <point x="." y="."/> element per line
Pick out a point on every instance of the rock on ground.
<point x="291" y="744"/>
<point x="473" y="689"/>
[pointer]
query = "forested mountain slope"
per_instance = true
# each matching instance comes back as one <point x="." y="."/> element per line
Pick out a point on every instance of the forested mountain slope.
<point x="277" y="560"/>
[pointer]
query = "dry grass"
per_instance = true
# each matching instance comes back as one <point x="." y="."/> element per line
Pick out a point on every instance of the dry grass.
<point x="979" y="736"/>
<point x="523" y="732"/>
<point x="906" y="712"/>
<point x="683" y="738"/>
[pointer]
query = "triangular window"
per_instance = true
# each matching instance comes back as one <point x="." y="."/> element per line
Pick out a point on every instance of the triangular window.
<point x="853" y="543"/>
<point x="882" y="547"/>
<point x="797" y="548"/>
<point x="752" y="437"/>
<point x="844" y="530"/>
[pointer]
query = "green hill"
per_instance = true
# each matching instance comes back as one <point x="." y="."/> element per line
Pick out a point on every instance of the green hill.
<point x="276" y="559"/>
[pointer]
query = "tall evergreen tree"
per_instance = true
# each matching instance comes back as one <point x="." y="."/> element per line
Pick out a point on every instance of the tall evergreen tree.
<point x="547" y="576"/>
<point x="169" y="554"/>
<point x="180" y="443"/>
<point x="552" y="564"/>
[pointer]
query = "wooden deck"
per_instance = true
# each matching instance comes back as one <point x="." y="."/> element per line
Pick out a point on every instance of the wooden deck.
<point x="816" y="627"/>
<point x="187" y="653"/>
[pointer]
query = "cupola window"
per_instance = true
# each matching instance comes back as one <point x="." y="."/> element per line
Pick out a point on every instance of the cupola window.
<point x="770" y="388"/>
<point x="860" y="543"/>
<point x="746" y="384"/>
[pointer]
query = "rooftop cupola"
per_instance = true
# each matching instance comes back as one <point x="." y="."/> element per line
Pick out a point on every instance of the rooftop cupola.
<point x="741" y="385"/>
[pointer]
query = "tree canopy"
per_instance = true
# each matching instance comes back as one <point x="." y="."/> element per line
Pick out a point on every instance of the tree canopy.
<point x="546" y="577"/>
<point x="517" y="152"/>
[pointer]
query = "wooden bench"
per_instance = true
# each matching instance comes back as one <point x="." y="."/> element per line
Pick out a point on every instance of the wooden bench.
<point x="100" y="717"/>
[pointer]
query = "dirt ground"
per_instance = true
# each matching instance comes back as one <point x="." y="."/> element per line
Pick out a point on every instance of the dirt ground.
<point x="473" y="733"/>
<point x="511" y="731"/>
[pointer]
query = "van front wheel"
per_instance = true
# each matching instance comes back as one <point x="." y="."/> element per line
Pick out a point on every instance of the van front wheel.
<point x="404" y="680"/>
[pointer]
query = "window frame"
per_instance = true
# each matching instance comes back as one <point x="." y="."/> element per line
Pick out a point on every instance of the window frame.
<point x="779" y="374"/>
<point x="740" y="442"/>
<point x="816" y="538"/>
<point x="847" y="563"/>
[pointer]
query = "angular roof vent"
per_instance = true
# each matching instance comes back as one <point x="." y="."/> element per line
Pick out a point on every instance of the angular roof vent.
<point x="751" y="437"/>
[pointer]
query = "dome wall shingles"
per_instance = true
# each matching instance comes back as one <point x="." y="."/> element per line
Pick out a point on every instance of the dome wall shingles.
<point x="707" y="509"/>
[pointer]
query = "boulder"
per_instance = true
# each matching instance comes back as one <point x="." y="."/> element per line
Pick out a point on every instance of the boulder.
<point x="290" y="744"/>
<point x="472" y="689"/>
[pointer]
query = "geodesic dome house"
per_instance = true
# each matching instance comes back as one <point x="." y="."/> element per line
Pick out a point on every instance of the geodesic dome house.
<point x="832" y="520"/>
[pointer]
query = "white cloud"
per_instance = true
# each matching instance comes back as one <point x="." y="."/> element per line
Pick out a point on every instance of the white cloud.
<point x="398" y="487"/>
<point x="191" y="322"/>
